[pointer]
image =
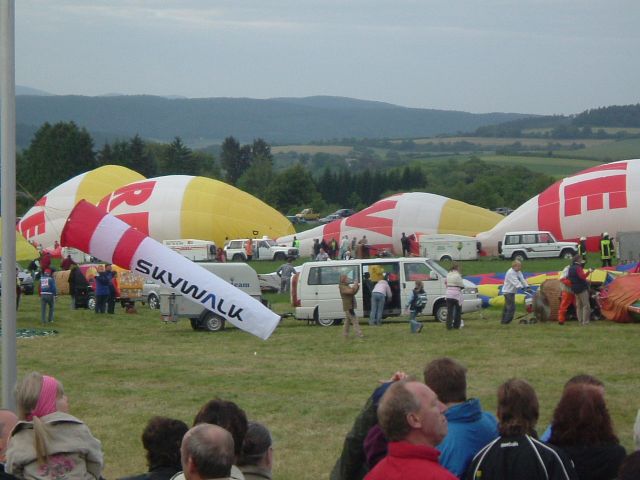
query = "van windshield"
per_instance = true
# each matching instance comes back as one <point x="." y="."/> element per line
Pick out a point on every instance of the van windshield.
<point x="437" y="267"/>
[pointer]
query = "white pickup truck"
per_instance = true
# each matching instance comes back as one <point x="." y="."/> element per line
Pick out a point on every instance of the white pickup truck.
<point x="263" y="249"/>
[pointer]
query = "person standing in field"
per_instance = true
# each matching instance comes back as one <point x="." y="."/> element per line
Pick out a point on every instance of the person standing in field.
<point x="348" y="295"/>
<point x="453" y="294"/>
<point x="580" y="288"/>
<point x="513" y="280"/>
<point x="48" y="294"/>
<point x="285" y="272"/>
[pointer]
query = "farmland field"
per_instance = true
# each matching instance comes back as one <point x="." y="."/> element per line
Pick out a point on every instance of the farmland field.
<point x="306" y="383"/>
<point x="620" y="150"/>
<point x="509" y="141"/>
<point x="553" y="166"/>
<point x="312" y="149"/>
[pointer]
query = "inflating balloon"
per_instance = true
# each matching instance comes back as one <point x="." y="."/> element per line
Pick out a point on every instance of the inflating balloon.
<point x="183" y="206"/>
<point x="605" y="198"/>
<point x="384" y="222"/>
<point x="43" y="223"/>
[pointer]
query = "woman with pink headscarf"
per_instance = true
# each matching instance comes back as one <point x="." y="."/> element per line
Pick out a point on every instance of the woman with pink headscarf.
<point x="48" y="443"/>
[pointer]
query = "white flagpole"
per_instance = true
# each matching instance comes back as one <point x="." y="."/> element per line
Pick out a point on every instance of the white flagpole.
<point x="8" y="206"/>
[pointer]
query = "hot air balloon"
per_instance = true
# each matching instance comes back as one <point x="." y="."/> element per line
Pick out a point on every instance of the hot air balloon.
<point x="183" y="206"/>
<point x="24" y="250"/>
<point x="43" y="223"/>
<point x="605" y="198"/>
<point x="384" y="222"/>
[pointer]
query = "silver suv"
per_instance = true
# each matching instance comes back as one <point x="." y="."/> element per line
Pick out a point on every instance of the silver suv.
<point x="534" y="244"/>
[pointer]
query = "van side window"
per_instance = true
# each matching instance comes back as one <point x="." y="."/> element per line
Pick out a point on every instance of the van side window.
<point x="417" y="271"/>
<point x="529" y="238"/>
<point x="330" y="275"/>
<point x="512" y="240"/>
<point x="544" y="238"/>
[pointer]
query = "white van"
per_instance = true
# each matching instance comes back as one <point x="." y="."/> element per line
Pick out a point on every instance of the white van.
<point x="174" y="305"/>
<point x="448" y="247"/>
<point x="316" y="297"/>
<point x="194" y="250"/>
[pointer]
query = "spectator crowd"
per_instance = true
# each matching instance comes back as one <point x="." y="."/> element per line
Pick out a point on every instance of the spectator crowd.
<point x="407" y="429"/>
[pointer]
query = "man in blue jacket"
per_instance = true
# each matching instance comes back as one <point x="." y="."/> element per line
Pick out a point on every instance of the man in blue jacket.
<point x="470" y="428"/>
<point x="48" y="294"/>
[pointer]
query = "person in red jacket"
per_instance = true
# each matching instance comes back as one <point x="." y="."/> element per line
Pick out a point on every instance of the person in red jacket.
<point x="412" y="418"/>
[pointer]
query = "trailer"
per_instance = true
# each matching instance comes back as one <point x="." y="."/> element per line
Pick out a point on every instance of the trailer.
<point x="448" y="247"/>
<point x="193" y="249"/>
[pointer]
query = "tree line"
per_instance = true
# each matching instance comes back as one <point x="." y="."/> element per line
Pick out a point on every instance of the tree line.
<point x="61" y="151"/>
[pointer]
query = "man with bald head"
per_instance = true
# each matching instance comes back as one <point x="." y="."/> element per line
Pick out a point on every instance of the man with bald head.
<point x="207" y="453"/>
<point x="8" y="420"/>
<point x="412" y="418"/>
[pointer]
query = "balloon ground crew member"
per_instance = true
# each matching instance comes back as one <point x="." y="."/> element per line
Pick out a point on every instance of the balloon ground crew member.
<point x="606" y="250"/>
<point x="567" y="297"/>
<point x="248" y="248"/>
<point x="582" y="248"/>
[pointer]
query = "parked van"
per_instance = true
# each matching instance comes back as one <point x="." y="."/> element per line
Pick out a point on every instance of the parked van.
<point x="76" y="255"/>
<point x="174" y="305"/>
<point x="194" y="250"/>
<point x="315" y="294"/>
<point x="448" y="247"/>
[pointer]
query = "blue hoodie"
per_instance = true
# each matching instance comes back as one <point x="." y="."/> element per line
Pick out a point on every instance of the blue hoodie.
<point x="470" y="429"/>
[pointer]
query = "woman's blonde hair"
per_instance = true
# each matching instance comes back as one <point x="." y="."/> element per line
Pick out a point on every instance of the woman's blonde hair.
<point x="27" y="395"/>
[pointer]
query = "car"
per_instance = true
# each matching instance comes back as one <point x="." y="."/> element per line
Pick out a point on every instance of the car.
<point x="294" y="219"/>
<point x="534" y="244"/>
<point x="24" y="278"/>
<point x="270" y="282"/>
<point x="503" y="210"/>
<point x="344" y="212"/>
<point x="308" y="214"/>
<point x="330" y="218"/>
<point x="151" y="294"/>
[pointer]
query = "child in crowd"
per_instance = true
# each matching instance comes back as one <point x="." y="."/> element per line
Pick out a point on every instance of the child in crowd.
<point x="48" y="443"/>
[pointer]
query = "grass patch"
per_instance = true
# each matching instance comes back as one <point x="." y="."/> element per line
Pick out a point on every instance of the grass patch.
<point x="554" y="166"/>
<point x="313" y="149"/>
<point x="620" y="150"/>
<point x="306" y="383"/>
<point x="504" y="141"/>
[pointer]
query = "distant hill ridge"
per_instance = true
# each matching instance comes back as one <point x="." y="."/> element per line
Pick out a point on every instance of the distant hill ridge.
<point x="277" y="120"/>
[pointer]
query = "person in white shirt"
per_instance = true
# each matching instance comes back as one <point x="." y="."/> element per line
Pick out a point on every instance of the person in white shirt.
<point x="380" y="294"/>
<point x="513" y="281"/>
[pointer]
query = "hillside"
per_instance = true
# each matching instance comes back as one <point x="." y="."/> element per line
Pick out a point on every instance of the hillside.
<point x="278" y="120"/>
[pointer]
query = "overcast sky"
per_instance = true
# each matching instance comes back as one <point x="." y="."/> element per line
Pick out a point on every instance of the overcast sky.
<point x="529" y="56"/>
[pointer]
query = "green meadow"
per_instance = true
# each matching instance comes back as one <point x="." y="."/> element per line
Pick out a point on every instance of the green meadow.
<point x="306" y="383"/>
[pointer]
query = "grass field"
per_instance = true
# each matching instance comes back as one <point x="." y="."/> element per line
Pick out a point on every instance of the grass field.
<point x="306" y="383"/>
<point x="313" y="149"/>
<point x="537" y="142"/>
<point x="620" y="150"/>
<point x="553" y="166"/>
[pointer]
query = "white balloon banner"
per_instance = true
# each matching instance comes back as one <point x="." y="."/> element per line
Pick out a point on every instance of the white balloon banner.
<point x="94" y="231"/>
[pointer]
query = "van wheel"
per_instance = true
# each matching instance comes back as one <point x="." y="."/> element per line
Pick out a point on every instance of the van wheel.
<point x="445" y="258"/>
<point x="440" y="311"/>
<point x="91" y="302"/>
<point x="195" y="324"/>
<point x="567" y="253"/>
<point x="326" y="322"/>
<point x="281" y="257"/>
<point x="519" y="256"/>
<point x="237" y="257"/>
<point x="212" y="322"/>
